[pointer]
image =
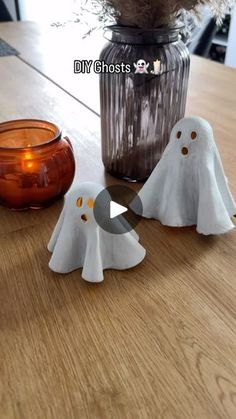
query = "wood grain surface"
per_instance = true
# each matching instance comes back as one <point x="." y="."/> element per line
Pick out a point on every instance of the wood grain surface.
<point x="52" y="50"/>
<point x="155" y="341"/>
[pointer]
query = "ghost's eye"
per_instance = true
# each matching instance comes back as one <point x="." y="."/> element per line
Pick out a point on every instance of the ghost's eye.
<point x="90" y="202"/>
<point x="178" y="135"/>
<point x="193" y="135"/>
<point x="79" y="202"/>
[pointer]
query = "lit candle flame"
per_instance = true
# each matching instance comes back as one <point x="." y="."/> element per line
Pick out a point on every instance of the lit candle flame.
<point x="28" y="155"/>
<point x="27" y="159"/>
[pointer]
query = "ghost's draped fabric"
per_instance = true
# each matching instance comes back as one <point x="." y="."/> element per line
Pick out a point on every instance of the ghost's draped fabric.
<point x="78" y="241"/>
<point x="188" y="186"/>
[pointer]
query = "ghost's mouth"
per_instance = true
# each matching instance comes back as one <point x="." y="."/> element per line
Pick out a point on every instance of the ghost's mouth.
<point x="184" y="151"/>
<point x="84" y="218"/>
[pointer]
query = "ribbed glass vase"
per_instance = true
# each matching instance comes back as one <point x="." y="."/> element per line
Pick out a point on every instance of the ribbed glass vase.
<point x="138" y="110"/>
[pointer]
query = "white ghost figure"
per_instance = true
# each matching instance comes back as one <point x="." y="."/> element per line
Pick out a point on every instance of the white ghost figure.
<point x="188" y="186"/>
<point x="78" y="241"/>
<point x="141" y="67"/>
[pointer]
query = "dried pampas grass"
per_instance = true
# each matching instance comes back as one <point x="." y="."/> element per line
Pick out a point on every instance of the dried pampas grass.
<point x="154" y="13"/>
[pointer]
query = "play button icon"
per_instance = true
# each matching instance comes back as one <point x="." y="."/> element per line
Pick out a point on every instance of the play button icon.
<point x="117" y="209"/>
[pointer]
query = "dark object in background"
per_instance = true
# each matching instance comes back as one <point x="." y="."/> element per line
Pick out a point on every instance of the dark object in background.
<point x="220" y="42"/>
<point x="217" y="53"/>
<point x="4" y="13"/>
<point x="209" y="40"/>
<point x="201" y="45"/>
<point x="224" y="29"/>
<point x="202" y="36"/>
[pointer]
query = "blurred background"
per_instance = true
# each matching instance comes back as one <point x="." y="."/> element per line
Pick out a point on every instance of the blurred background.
<point x="207" y="40"/>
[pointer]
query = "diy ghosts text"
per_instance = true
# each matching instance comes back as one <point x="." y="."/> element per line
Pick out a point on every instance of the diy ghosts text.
<point x="85" y="66"/>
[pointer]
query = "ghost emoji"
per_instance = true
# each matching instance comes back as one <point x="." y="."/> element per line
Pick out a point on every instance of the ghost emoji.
<point x="78" y="241"/>
<point x="188" y="186"/>
<point x="141" y="67"/>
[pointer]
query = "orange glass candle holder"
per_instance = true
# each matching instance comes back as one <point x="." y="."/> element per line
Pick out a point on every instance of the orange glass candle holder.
<point x="37" y="165"/>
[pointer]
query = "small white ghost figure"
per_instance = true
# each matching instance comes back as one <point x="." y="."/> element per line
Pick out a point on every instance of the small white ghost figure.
<point x="188" y="186"/>
<point x="78" y="241"/>
<point x="141" y="67"/>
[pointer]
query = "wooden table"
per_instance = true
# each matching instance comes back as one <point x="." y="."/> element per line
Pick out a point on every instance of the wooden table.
<point x="155" y="341"/>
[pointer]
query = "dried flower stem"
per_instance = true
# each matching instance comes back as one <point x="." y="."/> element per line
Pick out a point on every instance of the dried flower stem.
<point x="153" y="13"/>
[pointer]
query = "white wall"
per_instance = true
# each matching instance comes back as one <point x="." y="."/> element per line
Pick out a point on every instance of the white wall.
<point x="230" y="58"/>
<point x="46" y="10"/>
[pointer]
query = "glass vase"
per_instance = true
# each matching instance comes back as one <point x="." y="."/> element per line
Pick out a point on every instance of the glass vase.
<point x="139" y="109"/>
